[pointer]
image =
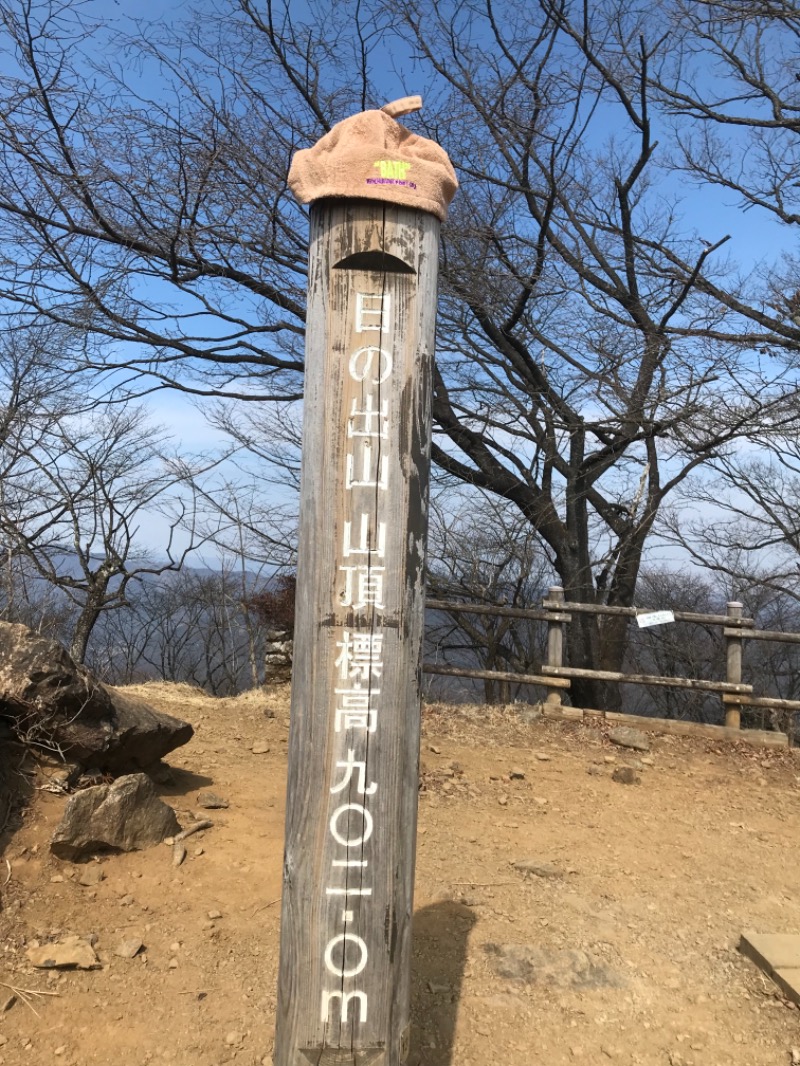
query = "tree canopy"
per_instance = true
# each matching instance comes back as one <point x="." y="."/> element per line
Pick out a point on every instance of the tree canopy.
<point x="597" y="344"/>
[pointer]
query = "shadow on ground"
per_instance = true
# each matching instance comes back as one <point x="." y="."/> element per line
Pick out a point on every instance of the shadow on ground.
<point x="16" y="785"/>
<point x="175" y="781"/>
<point x="441" y="934"/>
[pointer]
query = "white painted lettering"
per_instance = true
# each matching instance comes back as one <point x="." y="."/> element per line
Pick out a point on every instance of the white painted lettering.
<point x="370" y="361"/>
<point x="361" y="769"/>
<point x="365" y="545"/>
<point x="370" y="477"/>
<point x="367" y="828"/>
<point x="344" y="1004"/>
<point x="340" y="969"/>
<point x="373" y="311"/>
<point x="360" y="656"/>
<point x="366" y="421"/>
<point x="363" y="587"/>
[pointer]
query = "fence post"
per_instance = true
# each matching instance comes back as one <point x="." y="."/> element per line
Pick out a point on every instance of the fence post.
<point x="733" y="711"/>
<point x="344" y="981"/>
<point x="555" y="641"/>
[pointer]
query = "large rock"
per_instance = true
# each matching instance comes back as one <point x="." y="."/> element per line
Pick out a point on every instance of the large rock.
<point x="139" y="735"/>
<point x="52" y="703"/>
<point x="126" y="815"/>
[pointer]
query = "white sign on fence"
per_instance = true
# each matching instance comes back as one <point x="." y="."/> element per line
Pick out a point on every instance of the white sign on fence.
<point x="654" y="618"/>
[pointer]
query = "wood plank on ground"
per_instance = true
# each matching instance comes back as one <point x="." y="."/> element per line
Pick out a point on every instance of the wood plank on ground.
<point x="778" y="955"/>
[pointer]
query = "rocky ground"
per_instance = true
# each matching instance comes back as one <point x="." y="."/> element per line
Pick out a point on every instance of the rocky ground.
<point x="566" y="912"/>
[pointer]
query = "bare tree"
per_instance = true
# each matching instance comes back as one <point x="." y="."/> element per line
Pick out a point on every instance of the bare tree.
<point x="74" y="504"/>
<point x="593" y="357"/>
<point x="482" y="551"/>
<point x="191" y="627"/>
<point x="678" y="649"/>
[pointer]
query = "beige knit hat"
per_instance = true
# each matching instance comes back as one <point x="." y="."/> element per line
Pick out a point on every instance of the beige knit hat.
<point x="372" y="156"/>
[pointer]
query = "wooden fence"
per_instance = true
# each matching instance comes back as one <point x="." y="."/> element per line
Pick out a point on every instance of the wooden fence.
<point x="555" y="677"/>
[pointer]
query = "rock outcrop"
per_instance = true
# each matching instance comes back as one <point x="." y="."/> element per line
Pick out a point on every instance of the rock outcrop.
<point x="53" y="704"/>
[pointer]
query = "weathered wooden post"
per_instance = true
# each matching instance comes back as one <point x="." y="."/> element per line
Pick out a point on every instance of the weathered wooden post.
<point x="555" y="640"/>
<point x="378" y="193"/>
<point x="733" y="711"/>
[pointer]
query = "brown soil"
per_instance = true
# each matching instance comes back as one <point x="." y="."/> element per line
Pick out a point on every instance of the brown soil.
<point x="657" y="881"/>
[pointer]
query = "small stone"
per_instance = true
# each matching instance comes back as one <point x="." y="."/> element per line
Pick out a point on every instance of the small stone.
<point x="7" y="1003"/>
<point x="127" y="900"/>
<point x="626" y="737"/>
<point x="173" y="964"/>
<point x="438" y="989"/>
<point x="233" y="1039"/>
<point x="213" y="915"/>
<point x="161" y="773"/>
<point x="534" y="868"/>
<point x="542" y="756"/>
<point x="129" y="948"/>
<point x="625" y="775"/>
<point x="259" y="748"/>
<point x="595" y="771"/>
<point x="3" y="1040"/>
<point x="174" y="948"/>
<point x="56" y="879"/>
<point x="516" y="774"/>
<point x="609" y="758"/>
<point x="210" y="801"/>
<point x="502" y="800"/>
<point x="647" y="760"/>
<point x="71" y="953"/>
<point x="60" y="1050"/>
<point x="795" y="1053"/>
<point x="434" y="749"/>
<point x="92" y="875"/>
<point x="199" y="851"/>
<point x="541" y="801"/>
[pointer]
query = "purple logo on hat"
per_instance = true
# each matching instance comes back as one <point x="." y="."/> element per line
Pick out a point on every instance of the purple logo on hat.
<point x="391" y="181"/>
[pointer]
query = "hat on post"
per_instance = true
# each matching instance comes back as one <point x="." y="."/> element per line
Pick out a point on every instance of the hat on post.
<point x="370" y="155"/>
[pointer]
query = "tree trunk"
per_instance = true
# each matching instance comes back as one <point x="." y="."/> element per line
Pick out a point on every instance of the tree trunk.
<point x="87" y="620"/>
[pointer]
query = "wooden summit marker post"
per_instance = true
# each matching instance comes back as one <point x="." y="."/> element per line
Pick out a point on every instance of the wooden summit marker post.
<point x="343" y="991"/>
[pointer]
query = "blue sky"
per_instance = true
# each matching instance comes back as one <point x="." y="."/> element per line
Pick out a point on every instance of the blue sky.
<point x="712" y="215"/>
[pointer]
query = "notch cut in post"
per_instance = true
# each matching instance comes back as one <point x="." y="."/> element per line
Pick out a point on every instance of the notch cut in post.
<point x="375" y="260"/>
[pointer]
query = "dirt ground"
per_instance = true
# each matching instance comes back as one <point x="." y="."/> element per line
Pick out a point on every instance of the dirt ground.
<point x="635" y="937"/>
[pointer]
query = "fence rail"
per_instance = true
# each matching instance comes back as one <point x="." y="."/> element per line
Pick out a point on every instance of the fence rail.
<point x="555" y="675"/>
